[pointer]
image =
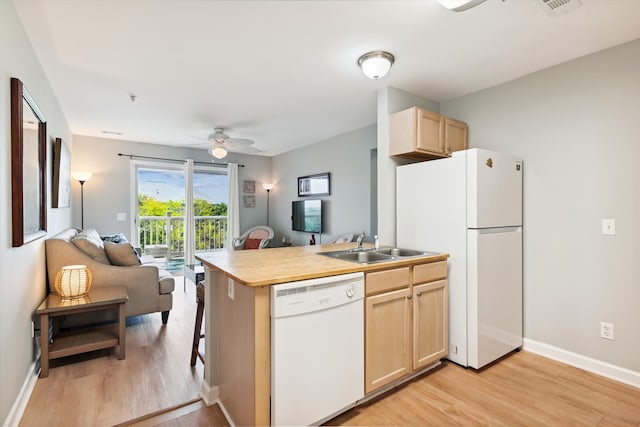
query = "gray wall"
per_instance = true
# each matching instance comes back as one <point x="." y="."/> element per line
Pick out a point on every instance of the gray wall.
<point x="348" y="209"/>
<point x="108" y="191"/>
<point x="577" y="127"/>
<point x="22" y="287"/>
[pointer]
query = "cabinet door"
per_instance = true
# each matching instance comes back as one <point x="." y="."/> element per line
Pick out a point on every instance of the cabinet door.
<point x="387" y="338"/>
<point x="430" y="320"/>
<point x="455" y="135"/>
<point x="430" y="132"/>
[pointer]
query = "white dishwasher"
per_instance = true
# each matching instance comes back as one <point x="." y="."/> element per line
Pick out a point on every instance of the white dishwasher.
<point x="317" y="348"/>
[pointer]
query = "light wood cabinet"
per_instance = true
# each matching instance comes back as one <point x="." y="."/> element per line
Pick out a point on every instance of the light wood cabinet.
<point x="430" y="323"/>
<point x="387" y="338"/>
<point x="406" y="326"/>
<point x="420" y="134"/>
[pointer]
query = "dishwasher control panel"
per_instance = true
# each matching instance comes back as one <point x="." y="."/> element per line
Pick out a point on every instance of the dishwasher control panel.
<point x="306" y="296"/>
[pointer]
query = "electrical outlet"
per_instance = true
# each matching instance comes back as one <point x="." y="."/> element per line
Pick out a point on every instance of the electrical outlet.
<point x="609" y="227"/>
<point x="121" y="216"/>
<point x="606" y="330"/>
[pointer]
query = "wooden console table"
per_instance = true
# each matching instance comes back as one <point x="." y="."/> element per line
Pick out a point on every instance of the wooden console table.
<point x="86" y="339"/>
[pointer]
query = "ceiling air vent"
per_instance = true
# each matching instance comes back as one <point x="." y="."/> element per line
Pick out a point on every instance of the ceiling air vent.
<point x="558" y="7"/>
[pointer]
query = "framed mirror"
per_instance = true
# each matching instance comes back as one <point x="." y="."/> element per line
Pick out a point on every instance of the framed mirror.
<point x="314" y="185"/>
<point x="28" y="167"/>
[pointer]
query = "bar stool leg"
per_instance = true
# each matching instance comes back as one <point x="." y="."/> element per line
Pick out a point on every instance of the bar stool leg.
<point x="197" y="331"/>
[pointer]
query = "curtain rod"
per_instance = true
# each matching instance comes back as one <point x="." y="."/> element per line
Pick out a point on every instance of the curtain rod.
<point x="213" y="163"/>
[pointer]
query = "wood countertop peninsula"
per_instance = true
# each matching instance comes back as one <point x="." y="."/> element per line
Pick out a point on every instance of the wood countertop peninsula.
<point x="238" y="324"/>
<point x="281" y="265"/>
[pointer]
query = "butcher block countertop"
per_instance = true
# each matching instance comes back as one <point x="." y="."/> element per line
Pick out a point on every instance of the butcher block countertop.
<point x="281" y="265"/>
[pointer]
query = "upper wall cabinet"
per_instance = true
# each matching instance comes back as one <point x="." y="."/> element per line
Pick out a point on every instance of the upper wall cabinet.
<point x="420" y="134"/>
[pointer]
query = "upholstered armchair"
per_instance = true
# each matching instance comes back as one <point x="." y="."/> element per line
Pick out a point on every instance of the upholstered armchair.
<point x="257" y="237"/>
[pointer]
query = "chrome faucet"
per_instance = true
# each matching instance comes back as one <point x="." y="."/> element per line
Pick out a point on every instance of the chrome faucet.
<point x="359" y="240"/>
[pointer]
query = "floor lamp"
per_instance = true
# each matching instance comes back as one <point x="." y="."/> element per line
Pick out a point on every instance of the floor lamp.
<point x="82" y="177"/>
<point x="268" y="187"/>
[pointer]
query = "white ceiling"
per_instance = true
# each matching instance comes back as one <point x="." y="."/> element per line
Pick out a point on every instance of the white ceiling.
<point x="284" y="73"/>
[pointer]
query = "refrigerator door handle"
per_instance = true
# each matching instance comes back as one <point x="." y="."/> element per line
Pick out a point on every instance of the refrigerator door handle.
<point x="495" y="230"/>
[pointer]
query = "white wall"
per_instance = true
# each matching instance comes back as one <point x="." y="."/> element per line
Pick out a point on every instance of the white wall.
<point x="577" y="127"/>
<point x="348" y="209"/>
<point x="108" y="191"/>
<point x="391" y="100"/>
<point x="22" y="287"/>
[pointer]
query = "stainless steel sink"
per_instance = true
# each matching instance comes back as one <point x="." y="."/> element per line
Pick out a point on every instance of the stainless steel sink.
<point x="364" y="257"/>
<point x="371" y="255"/>
<point x="402" y="253"/>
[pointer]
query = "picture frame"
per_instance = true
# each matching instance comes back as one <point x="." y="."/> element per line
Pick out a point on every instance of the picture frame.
<point x="249" y="187"/>
<point x="61" y="179"/>
<point x="28" y="166"/>
<point x="249" y="201"/>
<point x="314" y="185"/>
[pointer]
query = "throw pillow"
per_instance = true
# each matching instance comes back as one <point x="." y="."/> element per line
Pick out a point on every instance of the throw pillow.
<point x="115" y="238"/>
<point x="252" y="243"/>
<point x="121" y="254"/>
<point x="90" y="243"/>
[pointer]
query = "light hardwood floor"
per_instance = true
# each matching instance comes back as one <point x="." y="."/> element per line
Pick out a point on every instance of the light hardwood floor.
<point x="523" y="389"/>
<point x="97" y="389"/>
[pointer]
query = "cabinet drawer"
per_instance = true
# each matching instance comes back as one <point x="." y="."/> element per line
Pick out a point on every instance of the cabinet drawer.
<point x="429" y="272"/>
<point x="387" y="280"/>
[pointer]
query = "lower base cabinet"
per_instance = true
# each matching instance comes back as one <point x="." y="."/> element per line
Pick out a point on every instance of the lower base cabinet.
<point x="406" y="321"/>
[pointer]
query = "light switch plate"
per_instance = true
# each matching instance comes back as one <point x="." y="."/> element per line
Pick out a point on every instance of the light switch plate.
<point x="609" y="227"/>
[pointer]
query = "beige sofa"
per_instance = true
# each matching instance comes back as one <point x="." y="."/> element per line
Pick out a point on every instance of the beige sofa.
<point x="149" y="288"/>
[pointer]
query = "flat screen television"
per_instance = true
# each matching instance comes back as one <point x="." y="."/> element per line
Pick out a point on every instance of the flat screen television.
<point x="306" y="215"/>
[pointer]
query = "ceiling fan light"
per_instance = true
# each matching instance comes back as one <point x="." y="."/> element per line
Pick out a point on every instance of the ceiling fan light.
<point x="218" y="152"/>
<point x="376" y="65"/>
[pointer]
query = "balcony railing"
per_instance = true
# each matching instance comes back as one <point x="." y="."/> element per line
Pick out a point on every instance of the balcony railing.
<point x="210" y="233"/>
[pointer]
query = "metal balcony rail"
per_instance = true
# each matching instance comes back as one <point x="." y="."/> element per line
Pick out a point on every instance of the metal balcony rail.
<point x="210" y="233"/>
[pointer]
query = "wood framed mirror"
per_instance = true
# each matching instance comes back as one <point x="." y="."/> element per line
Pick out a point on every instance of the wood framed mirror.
<point x="28" y="167"/>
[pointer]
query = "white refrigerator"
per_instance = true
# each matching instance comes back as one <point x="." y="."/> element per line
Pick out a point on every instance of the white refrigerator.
<point x="470" y="206"/>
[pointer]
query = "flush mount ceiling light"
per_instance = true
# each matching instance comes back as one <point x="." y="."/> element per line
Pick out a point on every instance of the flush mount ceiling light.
<point x="376" y="64"/>
<point x="218" y="151"/>
<point x="459" y="5"/>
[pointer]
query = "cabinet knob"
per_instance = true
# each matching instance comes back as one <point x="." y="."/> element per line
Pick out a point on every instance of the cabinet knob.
<point x="409" y="296"/>
<point x="418" y="294"/>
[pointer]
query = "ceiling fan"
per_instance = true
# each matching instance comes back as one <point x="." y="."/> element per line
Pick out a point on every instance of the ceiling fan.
<point x="223" y="143"/>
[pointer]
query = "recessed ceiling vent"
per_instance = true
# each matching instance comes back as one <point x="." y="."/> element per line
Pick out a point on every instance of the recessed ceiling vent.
<point x="558" y="7"/>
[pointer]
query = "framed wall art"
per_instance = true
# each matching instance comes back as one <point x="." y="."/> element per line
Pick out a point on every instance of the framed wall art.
<point x="28" y="166"/>
<point x="249" y="201"/>
<point x="314" y="185"/>
<point x="250" y="187"/>
<point x="61" y="183"/>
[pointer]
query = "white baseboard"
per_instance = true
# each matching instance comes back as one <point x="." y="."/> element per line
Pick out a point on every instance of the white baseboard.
<point x="605" y="369"/>
<point x="17" y="410"/>
<point x="209" y="393"/>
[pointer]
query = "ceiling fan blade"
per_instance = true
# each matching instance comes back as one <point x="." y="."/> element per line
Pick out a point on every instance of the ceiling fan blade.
<point x="239" y="141"/>
<point x="244" y="149"/>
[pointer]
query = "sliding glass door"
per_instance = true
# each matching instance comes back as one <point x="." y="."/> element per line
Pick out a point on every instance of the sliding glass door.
<point x="159" y="210"/>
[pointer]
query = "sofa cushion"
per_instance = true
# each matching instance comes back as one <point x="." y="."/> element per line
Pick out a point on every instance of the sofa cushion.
<point x="89" y="242"/>
<point x="167" y="283"/>
<point x="121" y="254"/>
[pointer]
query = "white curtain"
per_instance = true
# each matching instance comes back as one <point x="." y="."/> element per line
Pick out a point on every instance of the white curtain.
<point x="189" y="219"/>
<point x="233" y="220"/>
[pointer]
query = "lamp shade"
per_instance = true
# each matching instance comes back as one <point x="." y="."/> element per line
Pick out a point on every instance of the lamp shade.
<point x="267" y="187"/>
<point x="73" y="281"/>
<point x="218" y="151"/>
<point x="82" y="176"/>
<point x="376" y="65"/>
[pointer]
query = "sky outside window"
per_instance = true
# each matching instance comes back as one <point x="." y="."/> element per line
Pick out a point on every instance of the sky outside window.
<point x="165" y="185"/>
